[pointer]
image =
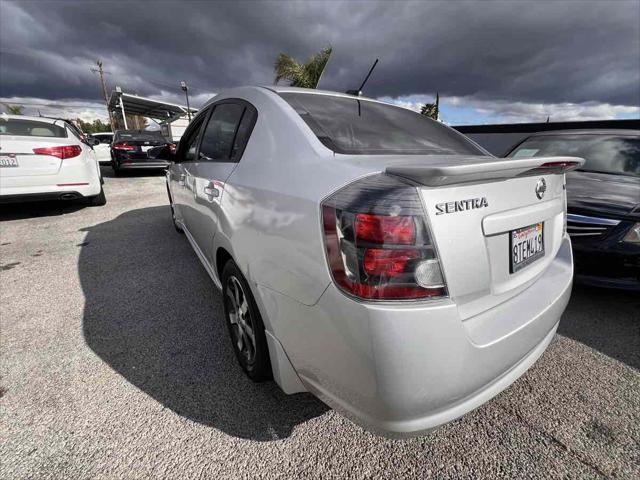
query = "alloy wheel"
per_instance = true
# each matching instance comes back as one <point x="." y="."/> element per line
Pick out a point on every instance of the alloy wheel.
<point x="239" y="316"/>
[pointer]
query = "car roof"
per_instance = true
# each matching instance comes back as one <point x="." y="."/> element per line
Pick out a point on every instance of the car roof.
<point x="27" y="117"/>
<point x="593" y="131"/>
<point x="286" y="89"/>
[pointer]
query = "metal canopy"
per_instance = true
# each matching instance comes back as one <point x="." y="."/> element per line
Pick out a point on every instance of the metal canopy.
<point x="147" y="107"/>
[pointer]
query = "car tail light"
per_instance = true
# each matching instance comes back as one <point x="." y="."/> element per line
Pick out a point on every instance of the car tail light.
<point x="62" y="152"/>
<point x="123" y="146"/>
<point x="378" y="243"/>
<point x="172" y="147"/>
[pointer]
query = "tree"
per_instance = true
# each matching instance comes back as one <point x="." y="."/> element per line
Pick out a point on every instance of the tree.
<point x="13" y="109"/>
<point x="306" y="75"/>
<point x="93" y="127"/>
<point x="432" y="110"/>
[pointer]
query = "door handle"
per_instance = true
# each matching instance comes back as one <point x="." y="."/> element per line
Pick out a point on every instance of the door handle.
<point x="211" y="191"/>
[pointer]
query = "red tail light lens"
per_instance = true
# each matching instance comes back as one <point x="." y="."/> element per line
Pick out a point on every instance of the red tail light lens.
<point x="62" y="152"/>
<point x="124" y="146"/>
<point x="391" y="263"/>
<point x="399" y="230"/>
<point x="172" y="147"/>
<point x="377" y="241"/>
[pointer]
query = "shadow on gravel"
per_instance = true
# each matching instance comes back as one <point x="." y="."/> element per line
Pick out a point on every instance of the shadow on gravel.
<point x="606" y="320"/>
<point x="153" y="314"/>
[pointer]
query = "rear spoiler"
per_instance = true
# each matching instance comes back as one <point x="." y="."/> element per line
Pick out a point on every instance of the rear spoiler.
<point x="477" y="169"/>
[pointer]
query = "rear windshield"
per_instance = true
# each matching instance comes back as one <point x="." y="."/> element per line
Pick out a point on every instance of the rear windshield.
<point x="354" y="126"/>
<point x="147" y="136"/>
<point x="30" y="128"/>
<point x="617" y="154"/>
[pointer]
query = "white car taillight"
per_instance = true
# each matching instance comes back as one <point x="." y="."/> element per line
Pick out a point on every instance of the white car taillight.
<point x="62" y="152"/>
<point x="378" y="243"/>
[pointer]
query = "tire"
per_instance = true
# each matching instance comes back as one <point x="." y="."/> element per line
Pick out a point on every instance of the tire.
<point x="98" y="200"/>
<point x="252" y="353"/>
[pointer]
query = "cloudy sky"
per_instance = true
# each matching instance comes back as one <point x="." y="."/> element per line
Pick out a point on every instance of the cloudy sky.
<point x="491" y="62"/>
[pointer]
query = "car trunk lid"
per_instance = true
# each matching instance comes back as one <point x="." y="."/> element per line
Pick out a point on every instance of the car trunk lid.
<point x="473" y="205"/>
<point x="29" y="163"/>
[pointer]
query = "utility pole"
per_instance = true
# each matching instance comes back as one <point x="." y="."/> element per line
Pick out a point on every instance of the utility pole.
<point x="101" y="72"/>
<point x="185" y="89"/>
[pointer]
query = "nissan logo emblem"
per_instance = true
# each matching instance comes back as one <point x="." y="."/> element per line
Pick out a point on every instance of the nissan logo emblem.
<point x="541" y="187"/>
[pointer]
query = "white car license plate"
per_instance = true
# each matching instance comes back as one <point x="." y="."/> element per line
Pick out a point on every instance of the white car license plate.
<point x="146" y="148"/>
<point x="526" y="245"/>
<point x="8" y="161"/>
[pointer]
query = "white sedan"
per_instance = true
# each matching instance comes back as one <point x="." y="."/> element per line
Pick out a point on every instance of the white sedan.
<point x="44" y="159"/>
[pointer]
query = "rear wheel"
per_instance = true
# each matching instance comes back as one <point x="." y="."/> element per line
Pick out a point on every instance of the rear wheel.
<point x="245" y="324"/>
<point x="98" y="200"/>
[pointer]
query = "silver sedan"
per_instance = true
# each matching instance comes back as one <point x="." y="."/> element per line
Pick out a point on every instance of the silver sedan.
<point x="370" y="255"/>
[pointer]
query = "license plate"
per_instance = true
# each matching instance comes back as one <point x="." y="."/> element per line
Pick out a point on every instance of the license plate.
<point x="146" y="148"/>
<point x="8" y="161"/>
<point x="526" y="245"/>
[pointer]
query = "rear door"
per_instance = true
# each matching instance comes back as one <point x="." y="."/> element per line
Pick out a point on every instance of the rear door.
<point x="222" y="143"/>
<point x="180" y="185"/>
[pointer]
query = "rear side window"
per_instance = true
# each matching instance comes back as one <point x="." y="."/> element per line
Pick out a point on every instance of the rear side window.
<point x="218" y="138"/>
<point x="356" y="126"/>
<point x="31" y="128"/>
<point x="189" y="142"/>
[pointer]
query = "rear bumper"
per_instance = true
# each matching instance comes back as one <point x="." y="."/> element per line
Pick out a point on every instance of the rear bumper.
<point x="609" y="264"/>
<point x="40" y="197"/>
<point x="404" y="369"/>
<point x="11" y="193"/>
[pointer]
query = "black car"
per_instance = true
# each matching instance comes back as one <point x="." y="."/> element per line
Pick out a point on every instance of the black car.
<point x="603" y="201"/>
<point x="140" y="149"/>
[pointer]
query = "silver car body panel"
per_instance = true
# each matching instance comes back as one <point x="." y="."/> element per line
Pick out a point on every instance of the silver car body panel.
<point x="399" y="368"/>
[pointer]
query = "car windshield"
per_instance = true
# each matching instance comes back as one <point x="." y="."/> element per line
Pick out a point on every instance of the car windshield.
<point x="356" y="126"/>
<point x="145" y="136"/>
<point x="31" y="128"/>
<point x="616" y="154"/>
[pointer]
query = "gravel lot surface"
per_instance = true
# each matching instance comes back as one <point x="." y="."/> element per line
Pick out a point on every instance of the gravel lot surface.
<point x="115" y="363"/>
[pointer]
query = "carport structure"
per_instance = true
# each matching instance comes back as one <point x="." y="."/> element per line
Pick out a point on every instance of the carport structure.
<point x="159" y="111"/>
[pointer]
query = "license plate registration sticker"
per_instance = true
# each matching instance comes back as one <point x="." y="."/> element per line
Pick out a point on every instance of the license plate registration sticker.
<point x="8" y="161"/>
<point x="526" y="245"/>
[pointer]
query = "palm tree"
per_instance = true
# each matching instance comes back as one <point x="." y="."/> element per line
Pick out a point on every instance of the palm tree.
<point x="306" y="75"/>
<point x="13" y="109"/>
<point x="432" y="110"/>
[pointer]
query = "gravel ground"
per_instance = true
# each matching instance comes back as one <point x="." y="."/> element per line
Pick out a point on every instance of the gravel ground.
<point x="115" y="363"/>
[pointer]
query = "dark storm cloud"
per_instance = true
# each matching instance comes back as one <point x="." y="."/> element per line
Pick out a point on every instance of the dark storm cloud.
<point x="530" y="52"/>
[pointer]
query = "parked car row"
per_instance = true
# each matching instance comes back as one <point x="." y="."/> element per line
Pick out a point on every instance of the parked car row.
<point x="368" y="254"/>
<point x="50" y="158"/>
